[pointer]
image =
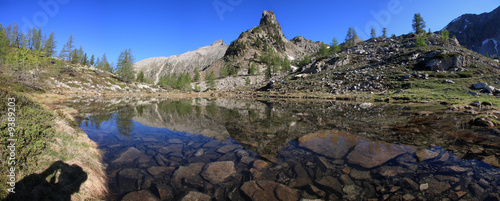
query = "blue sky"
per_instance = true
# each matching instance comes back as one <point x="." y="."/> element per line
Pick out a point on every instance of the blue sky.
<point x="164" y="28"/>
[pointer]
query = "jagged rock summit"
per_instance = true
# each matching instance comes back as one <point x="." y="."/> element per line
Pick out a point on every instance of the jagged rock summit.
<point x="263" y="39"/>
<point x="480" y="33"/>
<point x="157" y="67"/>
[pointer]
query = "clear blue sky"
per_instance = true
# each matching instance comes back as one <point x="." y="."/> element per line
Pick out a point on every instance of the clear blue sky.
<point x="164" y="28"/>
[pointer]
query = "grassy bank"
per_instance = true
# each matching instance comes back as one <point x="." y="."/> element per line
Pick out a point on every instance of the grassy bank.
<point x="53" y="159"/>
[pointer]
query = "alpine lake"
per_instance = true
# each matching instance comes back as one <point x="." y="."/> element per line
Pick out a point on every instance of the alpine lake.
<point x="228" y="149"/>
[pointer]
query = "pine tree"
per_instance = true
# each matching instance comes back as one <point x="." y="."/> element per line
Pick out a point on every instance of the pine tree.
<point x="91" y="62"/>
<point x="50" y="45"/>
<point x="351" y="37"/>
<point x="97" y="63"/>
<point x="85" y="60"/>
<point x="210" y="79"/>
<point x="196" y="75"/>
<point x="4" y="44"/>
<point x="80" y="53"/>
<point x="445" y="36"/>
<point x="418" y="24"/>
<point x="384" y="33"/>
<point x="140" y="77"/>
<point x="373" y="34"/>
<point x="67" y="50"/>
<point x="420" y="41"/>
<point x="323" y="50"/>
<point x="37" y="38"/>
<point x="334" y="48"/>
<point x="124" y="66"/>
<point x="74" y="57"/>
<point x="103" y="63"/>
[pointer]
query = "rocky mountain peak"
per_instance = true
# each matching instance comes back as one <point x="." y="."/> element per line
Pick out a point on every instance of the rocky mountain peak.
<point x="268" y="17"/>
<point x="265" y="39"/>
<point x="218" y="43"/>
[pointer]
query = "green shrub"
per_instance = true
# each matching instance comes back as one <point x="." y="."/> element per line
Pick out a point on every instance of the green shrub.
<point x="33" y="129"/>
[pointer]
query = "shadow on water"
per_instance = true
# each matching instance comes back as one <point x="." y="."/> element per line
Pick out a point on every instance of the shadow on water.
<point x="56" y="183"/>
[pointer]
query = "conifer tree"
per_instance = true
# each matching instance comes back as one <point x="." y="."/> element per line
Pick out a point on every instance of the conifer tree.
<point x="124" y="66"/>
<point x="384" y="33"/>
<point x="67" y="50"/>
<point x="37" y="38"/>
<point x="418" y="24"/>
<point x="197" y="75"/>
<point x="445" y="36"/>
<point x="4" y="44"/>
<point x="91" y="62"/>
<point x="373" y="34"/>
<point x="140" y="77"/>
<point x="351" y="37"/>
<point x="74" y="57"/>
<point x="50" y="45"/>
<point x="334" y="48"/>
<point x="85" y="60"/>
<point x="210" y="79"/>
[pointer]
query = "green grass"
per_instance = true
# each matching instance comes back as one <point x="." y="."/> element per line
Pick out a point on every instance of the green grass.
<point x="33" y="129"/>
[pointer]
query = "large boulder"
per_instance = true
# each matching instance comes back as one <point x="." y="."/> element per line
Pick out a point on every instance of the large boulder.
<point x="447" y="62"/>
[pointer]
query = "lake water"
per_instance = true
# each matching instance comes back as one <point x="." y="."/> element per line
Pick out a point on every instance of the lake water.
<point x="223" y="149"/>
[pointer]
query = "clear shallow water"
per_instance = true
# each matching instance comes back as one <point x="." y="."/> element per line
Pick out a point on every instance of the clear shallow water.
<point x="230" y="150"/>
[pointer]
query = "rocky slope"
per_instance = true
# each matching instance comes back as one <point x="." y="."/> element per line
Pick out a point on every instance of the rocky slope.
<point x="157" y="67"/>
<point x="480" y="33"/>
<point x="267" y="37"/>
<point x="386" y="65"/>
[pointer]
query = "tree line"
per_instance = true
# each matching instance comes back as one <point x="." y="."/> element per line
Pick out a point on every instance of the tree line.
<point x="21" y="51"/>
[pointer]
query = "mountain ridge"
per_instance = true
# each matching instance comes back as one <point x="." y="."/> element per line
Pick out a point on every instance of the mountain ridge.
<point x="478" y="32"/>
<point x="156" y="67"/>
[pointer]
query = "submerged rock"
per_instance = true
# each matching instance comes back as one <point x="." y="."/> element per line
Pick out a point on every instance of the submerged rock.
<point x="371" y="154"/>
<point x="269" y="191"/>
<point x="217" y="172"/>
<point x="143" y="195"/>
<point x="190" y="172"/>
<point x="129" y="156"/>
<point x="196" y="196"/>
<point x="328" y="143"/>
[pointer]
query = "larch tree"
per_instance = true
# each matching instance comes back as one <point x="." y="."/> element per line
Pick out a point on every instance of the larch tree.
<point x="92" y="59"/>
<point x="197" y="75"/>
<point x="445" y="36"/>
<point x="124" y="66"/>
<point x="334" y="48"/>
<point x="50" y="45"/>
<point x="67" y="50"/>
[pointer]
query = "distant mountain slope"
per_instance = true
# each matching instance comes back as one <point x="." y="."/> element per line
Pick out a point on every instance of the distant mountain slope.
<point x="157" y="67"/>
<point x="267" y="37"/>
<point x="480" y="33"/>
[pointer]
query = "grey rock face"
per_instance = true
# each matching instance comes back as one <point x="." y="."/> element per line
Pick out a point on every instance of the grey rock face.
<point x="157" y="67"/>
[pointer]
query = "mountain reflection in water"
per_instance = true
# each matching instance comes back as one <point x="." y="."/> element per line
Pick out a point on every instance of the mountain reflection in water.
<point x="229" y="150"/>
